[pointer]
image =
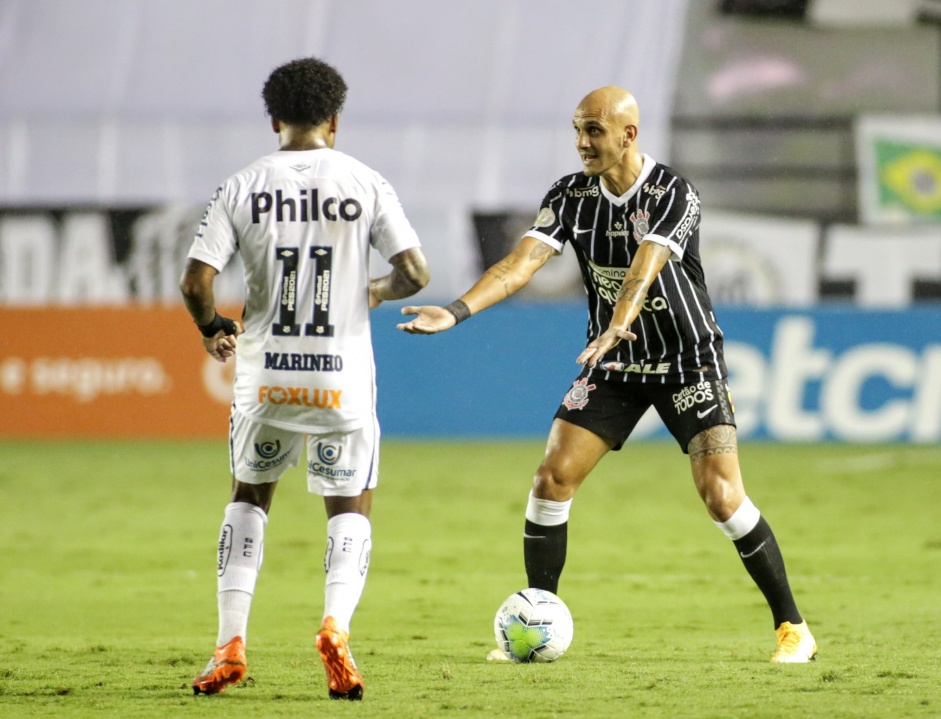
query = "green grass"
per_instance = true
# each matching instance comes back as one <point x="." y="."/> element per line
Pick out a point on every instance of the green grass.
<point x="107" y="586"/>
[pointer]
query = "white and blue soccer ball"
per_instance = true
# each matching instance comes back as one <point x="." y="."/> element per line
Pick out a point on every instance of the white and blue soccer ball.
<point x="533" y="625"/>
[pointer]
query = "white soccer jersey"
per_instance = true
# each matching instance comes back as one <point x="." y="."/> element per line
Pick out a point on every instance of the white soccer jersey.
<point x="303" y="223"/>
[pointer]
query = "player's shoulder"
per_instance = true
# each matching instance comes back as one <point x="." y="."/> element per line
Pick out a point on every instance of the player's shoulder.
<point x="663" y="178"/>
<point x="576" y="184"/>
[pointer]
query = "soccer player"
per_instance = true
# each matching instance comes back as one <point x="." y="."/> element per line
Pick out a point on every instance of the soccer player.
<point x="303" y="220"/>
<point x="633" y="225"/>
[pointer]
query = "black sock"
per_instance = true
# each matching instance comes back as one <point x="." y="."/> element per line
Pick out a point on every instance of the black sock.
<point x="544" y="554"/>
<point x="762" y="558"/>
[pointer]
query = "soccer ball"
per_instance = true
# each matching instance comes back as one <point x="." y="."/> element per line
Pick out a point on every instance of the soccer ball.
<point x="533" y="625"/>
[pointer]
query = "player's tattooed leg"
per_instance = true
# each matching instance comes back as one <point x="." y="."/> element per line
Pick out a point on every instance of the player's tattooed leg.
<point x="720" y="439"/>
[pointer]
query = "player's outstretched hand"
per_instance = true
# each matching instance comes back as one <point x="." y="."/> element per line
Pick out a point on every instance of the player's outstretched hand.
<point x="221" y="346"/>
<point x="430" y="320"/>
<point x="599" y="347"/>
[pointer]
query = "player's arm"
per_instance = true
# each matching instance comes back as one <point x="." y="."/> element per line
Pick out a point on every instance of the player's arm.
<point x="409" y="274"/>
<point x="219" y="333"/>
<point x="651" y="257"/>
<point x="505" y="278"/>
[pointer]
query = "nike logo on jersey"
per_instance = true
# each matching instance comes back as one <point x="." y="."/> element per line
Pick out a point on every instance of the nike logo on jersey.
<point x="703" y="412"/>
<point x="576" y="231"/>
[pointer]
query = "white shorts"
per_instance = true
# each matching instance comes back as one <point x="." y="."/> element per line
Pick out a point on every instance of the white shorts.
<point x="339" y="464"/>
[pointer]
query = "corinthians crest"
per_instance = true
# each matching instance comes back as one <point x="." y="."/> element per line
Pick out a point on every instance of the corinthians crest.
<point x="577" y="397"/>
<point x="641" y="220"/>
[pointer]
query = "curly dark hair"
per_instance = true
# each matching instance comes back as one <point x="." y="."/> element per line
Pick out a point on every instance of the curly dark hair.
<point x="304" y="92"/>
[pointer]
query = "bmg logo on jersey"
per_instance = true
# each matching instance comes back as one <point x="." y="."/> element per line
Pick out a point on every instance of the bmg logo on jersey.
<point x="304" y="208"/>
<point x="694" y="395"/>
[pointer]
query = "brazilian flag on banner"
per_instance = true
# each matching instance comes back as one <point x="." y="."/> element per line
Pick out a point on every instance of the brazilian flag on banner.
<point x="909" y="177"/>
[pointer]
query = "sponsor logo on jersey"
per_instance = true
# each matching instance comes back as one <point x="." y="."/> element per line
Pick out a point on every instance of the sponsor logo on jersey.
<point x="545" y="218"/>
<point x="641" y="221"/>
<point x="637" y="368"/>
<point x="652" y="304"/>
<point x="321" y="398"/>
<point x="577" y="397"/>
<point x="693" y="396"/>
<point x="304" y="208"/>
<point x="620" y="230"/>
<point x="303" y="362"/>
<point x="607" y="281"/>
<point x="579" y="192"/>
<point x="685" y="225"/>
<point x="657" y="191"/>
<point x="328" y="455"/>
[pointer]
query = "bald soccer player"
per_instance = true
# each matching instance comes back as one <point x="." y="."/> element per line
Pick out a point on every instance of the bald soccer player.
<point x="653" y="339"/>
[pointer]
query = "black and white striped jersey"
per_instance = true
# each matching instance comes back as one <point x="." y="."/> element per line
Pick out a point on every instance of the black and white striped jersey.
<point x="678" y="339"/>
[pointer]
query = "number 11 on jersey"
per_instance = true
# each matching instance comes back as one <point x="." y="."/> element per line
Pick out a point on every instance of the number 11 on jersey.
<point x="319" y="326"/>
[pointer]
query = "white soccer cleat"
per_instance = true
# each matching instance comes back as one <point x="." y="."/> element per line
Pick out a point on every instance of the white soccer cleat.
<point x="796" y="644"/>
<point x="497" y="655"/>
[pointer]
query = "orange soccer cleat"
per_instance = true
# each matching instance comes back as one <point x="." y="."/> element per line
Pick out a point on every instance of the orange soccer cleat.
<point x="796" y="644"/>
<point x="226" y="667"/>
<point x="343" y="677"/>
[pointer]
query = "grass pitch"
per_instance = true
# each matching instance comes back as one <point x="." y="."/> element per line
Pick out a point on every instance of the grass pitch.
<point x="107" y="586"/>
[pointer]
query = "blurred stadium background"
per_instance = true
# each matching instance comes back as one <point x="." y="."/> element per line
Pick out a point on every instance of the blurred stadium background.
<point x="811" y="128"/>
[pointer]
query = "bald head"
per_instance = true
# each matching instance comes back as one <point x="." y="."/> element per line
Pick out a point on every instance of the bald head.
<point x="606" y="123"/>
<point x="614" y="104"/>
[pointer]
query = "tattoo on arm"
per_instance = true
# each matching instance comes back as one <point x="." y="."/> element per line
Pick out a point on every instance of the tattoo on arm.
<point x="632" y="290"/>
<point x="720" y="439"/>
<point x="541" y="253"/>
<point x="499" y="272"/>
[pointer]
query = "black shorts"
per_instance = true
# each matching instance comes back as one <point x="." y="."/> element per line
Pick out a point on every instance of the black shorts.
<point x="611" y="409"/>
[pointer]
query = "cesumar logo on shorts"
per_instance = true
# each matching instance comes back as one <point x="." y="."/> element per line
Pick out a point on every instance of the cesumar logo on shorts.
<point x="693" y="395"/>
<point x="267" y="450"/>
<point x="329" y="453"/>
<point x="271" y="456"/>
<point x="321" y="398"/>
<point x="577" y="397"/>
<point x="327" y="456"/>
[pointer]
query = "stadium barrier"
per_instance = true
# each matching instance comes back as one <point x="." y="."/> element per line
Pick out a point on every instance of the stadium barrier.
<point x="811" y="375"/>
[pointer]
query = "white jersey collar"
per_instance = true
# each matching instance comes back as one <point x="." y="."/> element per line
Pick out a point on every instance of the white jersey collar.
<point x="641" y="178"/>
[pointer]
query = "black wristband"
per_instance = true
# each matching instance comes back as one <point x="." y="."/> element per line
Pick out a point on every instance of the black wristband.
<point x="460" y="311"/>
<point x="218" y="323"/>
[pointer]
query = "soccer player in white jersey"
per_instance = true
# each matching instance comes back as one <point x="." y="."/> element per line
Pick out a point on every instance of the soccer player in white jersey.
<point x="653" y="340"/>
<point x="303" y="220"/>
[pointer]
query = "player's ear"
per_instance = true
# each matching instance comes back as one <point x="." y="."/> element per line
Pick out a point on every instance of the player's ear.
<point x="276" y="125"/>
<point x="630" y="135"/>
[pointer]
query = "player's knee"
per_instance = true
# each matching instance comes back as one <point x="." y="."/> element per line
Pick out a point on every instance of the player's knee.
<point x="551" y="482"/>
<point x="721" y="496"/>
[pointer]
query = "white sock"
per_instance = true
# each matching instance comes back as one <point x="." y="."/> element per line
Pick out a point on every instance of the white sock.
<point x="742" y="521"/>
<point x="547" y="513"/>
<point x="346" y="562"/>
<point x="240" y="553"/>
